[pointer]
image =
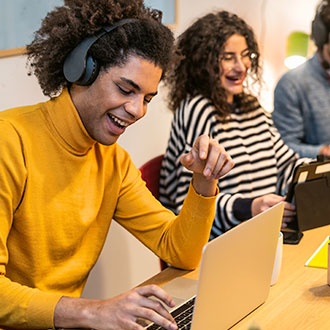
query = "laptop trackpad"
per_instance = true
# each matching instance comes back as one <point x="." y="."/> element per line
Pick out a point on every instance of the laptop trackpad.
<point x="181" y="289"/>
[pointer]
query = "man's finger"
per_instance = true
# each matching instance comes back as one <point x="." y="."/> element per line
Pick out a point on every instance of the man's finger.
<point x="229" y="164"/>
<point x="203" y="143"/>
<point x="187" y="159"/>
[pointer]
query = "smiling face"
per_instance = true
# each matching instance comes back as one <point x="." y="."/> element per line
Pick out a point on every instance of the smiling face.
<point x="117" y="98"/>
<point x="234" y="64"/>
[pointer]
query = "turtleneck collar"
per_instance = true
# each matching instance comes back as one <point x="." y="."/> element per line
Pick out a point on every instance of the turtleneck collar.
<point x="68" y="125"/>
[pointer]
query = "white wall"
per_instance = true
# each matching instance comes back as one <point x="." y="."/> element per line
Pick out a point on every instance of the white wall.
<point x="125" y="262"/>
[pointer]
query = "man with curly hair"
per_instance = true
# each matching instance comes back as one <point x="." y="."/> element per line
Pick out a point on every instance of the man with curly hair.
<point x="63" y="177"/>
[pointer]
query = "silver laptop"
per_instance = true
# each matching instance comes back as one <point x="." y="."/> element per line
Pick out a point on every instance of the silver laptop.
<point x="235" y="274"/>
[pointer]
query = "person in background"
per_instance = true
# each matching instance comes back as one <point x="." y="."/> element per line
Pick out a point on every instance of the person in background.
<point x="63" y="176"/>
<point x="302" y="96"/>
<point x="217" y="60"/>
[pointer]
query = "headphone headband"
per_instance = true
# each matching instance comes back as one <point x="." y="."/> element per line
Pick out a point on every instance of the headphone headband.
<point x="81" y="69"/>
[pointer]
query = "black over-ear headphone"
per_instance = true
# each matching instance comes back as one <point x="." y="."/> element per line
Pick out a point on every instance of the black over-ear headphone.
<point x="320" y="32"/>
<point x="79" y="67"/>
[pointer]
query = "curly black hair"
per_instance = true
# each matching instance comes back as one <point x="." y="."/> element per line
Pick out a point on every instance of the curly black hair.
<point x="195" y="69"/>
<point x="66" y="26"/>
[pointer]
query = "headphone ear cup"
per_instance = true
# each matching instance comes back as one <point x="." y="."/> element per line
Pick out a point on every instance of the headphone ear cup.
<point x="91" y="72"/>
<point x="81" y="69"/>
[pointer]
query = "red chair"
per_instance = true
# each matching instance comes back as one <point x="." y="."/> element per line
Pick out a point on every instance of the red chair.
<point x="150" y="172"/>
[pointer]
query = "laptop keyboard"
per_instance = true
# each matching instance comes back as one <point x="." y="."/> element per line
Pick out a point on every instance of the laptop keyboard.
<point x="182" y="316"/>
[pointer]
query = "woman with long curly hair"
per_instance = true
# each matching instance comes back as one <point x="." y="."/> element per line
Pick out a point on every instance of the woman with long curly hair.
<point x="64" y="178"/>
<point x="211" y="85"/>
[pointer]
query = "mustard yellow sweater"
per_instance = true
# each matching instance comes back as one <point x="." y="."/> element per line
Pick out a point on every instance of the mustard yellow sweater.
<point x="60" y="190"/>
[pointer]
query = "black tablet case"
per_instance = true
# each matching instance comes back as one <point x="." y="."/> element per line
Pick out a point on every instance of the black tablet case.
<point x="313" y="202"/>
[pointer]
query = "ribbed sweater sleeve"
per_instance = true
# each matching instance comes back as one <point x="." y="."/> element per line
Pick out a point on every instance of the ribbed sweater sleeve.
<point x="183" y="237"/>
<point x="20" y="305"/>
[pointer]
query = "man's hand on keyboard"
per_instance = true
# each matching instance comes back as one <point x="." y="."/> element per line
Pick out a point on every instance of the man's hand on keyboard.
<point x="120" y="312"/>
<point x="123" y="311"/>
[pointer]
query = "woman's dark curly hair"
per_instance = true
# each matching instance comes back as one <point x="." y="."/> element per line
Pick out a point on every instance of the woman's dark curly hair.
<point x="66" y="26"/>
<point x="195" y="69"/>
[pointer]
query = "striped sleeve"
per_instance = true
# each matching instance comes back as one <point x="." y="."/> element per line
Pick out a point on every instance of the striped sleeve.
<point x="287" y="160"/>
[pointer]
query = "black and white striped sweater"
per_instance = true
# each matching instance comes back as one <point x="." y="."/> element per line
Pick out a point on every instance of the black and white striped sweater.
<point x="263" y="163"/>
